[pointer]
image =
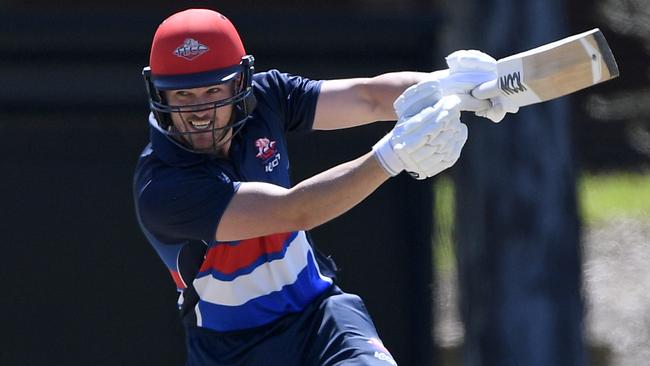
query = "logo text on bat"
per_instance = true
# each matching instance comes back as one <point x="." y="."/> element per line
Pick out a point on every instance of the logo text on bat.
<point x="511" y="83"/>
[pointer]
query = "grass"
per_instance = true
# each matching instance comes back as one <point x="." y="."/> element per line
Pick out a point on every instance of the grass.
<point x="607" y="196"/>
<point x="601" y="197"/>
<point x="444" y="255"/>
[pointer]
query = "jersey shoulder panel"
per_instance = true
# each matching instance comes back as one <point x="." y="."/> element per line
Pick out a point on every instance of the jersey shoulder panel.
<point x="294" y="97"/>
<point x="178" y="204"/>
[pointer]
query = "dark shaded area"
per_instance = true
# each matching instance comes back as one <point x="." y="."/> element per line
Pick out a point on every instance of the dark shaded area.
<point x="603" y="143"/>
<point x="84" y="287"/>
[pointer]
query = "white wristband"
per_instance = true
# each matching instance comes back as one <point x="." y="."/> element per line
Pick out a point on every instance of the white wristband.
<point x="387" y="157"/>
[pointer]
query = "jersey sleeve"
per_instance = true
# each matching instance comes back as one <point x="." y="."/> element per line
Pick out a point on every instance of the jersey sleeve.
<point x="186" y="208"/>
<point x="295" y="96"/>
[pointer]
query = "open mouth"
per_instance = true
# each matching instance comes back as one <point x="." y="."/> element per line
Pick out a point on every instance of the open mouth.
<point x="200" y="125"/>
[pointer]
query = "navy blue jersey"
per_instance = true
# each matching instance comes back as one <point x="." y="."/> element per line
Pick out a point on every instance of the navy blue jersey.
<point x="180" y="197"/>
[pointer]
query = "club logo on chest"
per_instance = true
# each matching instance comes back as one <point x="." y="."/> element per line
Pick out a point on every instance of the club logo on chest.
<point x="268" y="153"/>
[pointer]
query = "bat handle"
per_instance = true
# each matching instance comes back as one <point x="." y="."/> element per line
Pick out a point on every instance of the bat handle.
<point x="487" y="90"/>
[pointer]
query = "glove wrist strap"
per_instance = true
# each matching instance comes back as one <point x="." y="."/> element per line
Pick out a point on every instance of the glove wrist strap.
<point x="387" y="157"/>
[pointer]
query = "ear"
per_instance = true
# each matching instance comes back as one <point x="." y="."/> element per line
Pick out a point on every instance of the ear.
<point x="163" y="95"/>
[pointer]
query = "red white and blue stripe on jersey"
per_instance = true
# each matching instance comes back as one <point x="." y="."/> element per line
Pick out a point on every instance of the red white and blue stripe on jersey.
<point x="252" y="282"/>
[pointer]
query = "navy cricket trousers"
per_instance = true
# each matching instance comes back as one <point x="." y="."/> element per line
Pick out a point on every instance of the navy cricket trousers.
<point x="334" y="330"/>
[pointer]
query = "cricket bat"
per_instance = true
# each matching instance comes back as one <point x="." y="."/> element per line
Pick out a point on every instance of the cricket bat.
<point x="553" y="70"/>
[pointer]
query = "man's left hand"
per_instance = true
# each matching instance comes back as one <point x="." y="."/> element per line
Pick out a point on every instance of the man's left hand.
<point x="467" y="70"/>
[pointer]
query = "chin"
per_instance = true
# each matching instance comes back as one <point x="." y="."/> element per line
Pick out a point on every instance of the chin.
<point x="221" y="150"/>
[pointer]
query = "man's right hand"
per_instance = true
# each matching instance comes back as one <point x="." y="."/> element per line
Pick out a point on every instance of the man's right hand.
<point x="426" y="143"/>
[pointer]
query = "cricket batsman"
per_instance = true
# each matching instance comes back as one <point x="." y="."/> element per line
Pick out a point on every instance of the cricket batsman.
<point x="214" y="199"/>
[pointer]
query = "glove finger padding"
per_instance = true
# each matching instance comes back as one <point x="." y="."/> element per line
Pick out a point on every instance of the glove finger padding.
<point x="435" y="164"/>
<point x="414" y="123"/>
<point x="464" y="82"/>
<point x="459" y="142"/>
<point x="426" y="150"/>
<point x="438" y="162"/>
<point x="499" y="107"/>
<point x="416" y="98"/>
<point x="443" y="139"/>
<point x="471" y="60"/>
<point x="393" y="150"/>
<point x="413" y="142"/>
<point x="423" y="153"/>
<point x="429" y="120"/>
<point x="471" y="104"/>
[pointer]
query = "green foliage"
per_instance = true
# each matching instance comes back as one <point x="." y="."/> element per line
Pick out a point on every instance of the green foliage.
<point x="444" y="223"/>
<point x="606" y="196"/>
<point x="600" y="196"/>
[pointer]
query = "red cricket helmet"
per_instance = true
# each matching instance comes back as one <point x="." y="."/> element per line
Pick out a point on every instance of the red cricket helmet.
<point x="198" y="48"/>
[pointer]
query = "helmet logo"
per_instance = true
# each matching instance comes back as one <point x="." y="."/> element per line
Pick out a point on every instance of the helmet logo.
<point x="190" y="49"/>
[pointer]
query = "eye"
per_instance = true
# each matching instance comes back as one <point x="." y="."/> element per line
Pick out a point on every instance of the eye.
<point x="182" y="93"/>
<point x="215" y="90"/>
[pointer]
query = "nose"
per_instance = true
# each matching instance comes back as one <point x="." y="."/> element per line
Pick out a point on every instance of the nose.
<point x="204" y="100"/>
<point x="201" y="115"/>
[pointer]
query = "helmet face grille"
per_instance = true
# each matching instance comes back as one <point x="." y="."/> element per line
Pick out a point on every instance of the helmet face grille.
<point x="242" y="101"/>
<point x="219" y="136"/>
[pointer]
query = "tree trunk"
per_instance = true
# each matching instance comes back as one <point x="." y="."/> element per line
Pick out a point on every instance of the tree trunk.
<point x="517" y="225"/>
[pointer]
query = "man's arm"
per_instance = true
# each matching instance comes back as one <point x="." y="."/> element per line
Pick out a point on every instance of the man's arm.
<point x="353" y="102"/>
<point x="259" y="209"/>
<point x="424" y="144"/>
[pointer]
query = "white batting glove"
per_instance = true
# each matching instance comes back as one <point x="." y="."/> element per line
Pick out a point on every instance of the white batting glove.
<point x="417" y="97"/>
<point x="426" y="93"/>
<point x="467" y="70"/>
<point x="500" y="106"/>
<point x="424" y="144"/>
<point x="473" y="61"/>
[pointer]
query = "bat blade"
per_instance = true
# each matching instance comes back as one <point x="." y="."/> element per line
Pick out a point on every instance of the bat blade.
<point x="553" y="70"/>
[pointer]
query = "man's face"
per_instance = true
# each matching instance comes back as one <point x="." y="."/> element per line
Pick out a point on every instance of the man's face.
<point x="201" y="123"/>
